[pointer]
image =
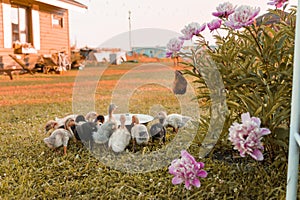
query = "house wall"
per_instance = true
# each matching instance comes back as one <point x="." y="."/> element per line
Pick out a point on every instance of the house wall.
<point x="52" y="38"/>
<point x="4" y="58"/>
<point x="1" y="28"/>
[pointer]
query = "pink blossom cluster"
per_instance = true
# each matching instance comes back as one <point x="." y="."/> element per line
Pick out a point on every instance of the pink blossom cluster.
<point x="192" y="29"/>
<point x="173" y="46"/>
<point x="187" y="170"/>
<point x="234" y="18"/>
<point x="277" y="3"/>
<point x="224" y="10"/>
<point x="242" y="16"/>
<point x="214" y="24"/>
<point x="246" y="137"/>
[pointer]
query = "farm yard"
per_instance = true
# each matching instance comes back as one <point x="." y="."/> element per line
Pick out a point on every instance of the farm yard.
<point x="30" y="170"/>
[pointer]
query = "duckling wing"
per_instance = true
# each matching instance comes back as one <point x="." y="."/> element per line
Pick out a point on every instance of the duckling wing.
<point x="184" y="120"/>
<point x="104" y="132"/>
<point x="176" y="120"/>
<point x="156" y="130"/>
<point x="173" y="120"/>
<point x="85" y="130"/>
<point x="100" y="136"/>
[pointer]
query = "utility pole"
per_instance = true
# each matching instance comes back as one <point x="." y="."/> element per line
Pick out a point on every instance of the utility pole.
<point x="129" y="18"/>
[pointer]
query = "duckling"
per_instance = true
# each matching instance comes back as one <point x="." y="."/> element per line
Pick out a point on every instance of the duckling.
<point x="175" y="121"/>
<point x="50" y="125"/>
<point x="85" y="132"/>
<point x="61" y="121"/>
<point x="61" y="136"/>
<point x="158" y="132"/>
<point x="80" y="119"/>
<point x="105" y="130"/>
<point x="120" y="138"/>
<point x="111" y="109"/>
<point x="57" y="123"/>
<point x="99" y="120"/>
<point x="139" y="133"/>
<point x="91" y="116"/>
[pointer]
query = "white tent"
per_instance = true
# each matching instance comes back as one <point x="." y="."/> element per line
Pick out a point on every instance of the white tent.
<point x="112" y="57"/>
<point x="102" y="57"/>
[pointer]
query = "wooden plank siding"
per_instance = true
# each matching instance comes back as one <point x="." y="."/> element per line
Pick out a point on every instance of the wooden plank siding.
<point x="52" y="39"/>
<point x="1" y="25"/>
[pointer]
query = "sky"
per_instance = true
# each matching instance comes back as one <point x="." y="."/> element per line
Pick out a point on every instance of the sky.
<point x="153" y="22"/>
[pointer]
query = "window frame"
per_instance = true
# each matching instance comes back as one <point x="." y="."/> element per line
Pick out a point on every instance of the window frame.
<point x="27" y="24"/>
<point x="57" y="21"/>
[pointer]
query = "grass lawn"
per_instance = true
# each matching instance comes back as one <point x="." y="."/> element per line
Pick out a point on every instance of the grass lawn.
<point x="30" y="170"/>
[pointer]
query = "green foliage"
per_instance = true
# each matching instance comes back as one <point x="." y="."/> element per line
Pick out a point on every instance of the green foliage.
<point x="256" y="65"/>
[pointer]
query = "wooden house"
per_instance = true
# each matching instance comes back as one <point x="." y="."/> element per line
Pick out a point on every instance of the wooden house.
<point x="43" y="24"/>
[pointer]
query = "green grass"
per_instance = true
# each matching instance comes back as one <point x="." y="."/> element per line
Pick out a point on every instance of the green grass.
<point x="30" y="170"/>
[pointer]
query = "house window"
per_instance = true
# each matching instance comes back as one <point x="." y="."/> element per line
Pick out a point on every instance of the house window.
<point x="57" y="21"/>
<point x="19" y="24"/>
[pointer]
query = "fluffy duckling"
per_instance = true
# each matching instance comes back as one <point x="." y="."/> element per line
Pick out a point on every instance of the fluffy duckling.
<point x="106" y="130"/>
<point x="111" y="109"/>
<point x="158" y="132"/>
<point x="80" y="119"/>
<point x="120" y="139"/>
<point x="173" y="120"/>
<point x="50" y="125"/>
<point x="61" y="121"/>
<point x="99" y="120"/>
<point x="139" y="133"/>
<point x="61" y="136"/>
<point x="57" y="123"/>
<point x="91" y="116"/>
<point x="85" y="132"/>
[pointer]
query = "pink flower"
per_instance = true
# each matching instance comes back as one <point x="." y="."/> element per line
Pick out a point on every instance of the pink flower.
<point x="192" y="29"/>
<point x="173" y="46"/>
<point x="277" y="3"/>
<point x="246" y="137"/>
<point x="187" y="170"/>
<point x="224" y="10"/>
<point x="214" y="24"/>
<point x="243" y="16"/>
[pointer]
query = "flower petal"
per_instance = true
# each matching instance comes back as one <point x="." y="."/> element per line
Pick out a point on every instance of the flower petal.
<point x="186" y="155"/>
<point x="187" y="185"/>
<point x="265" y="131"/>
<point x="196" y="182"/>
<point x="177" y="180"/>
<point x="201" y="164"/>
<point x="202" y="173"/>
<point x="257" y="155"/>
<point x="245" y="117"/>
<point x="172" y="170"/>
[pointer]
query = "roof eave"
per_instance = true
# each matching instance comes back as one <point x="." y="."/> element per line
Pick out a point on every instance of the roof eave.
<point x="66" y="4"/>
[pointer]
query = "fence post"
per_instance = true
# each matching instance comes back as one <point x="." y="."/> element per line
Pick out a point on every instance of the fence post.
<point x="293" y="161"/>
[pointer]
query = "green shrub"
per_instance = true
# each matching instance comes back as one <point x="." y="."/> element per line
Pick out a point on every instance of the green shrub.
<point x="255" y="64"/>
